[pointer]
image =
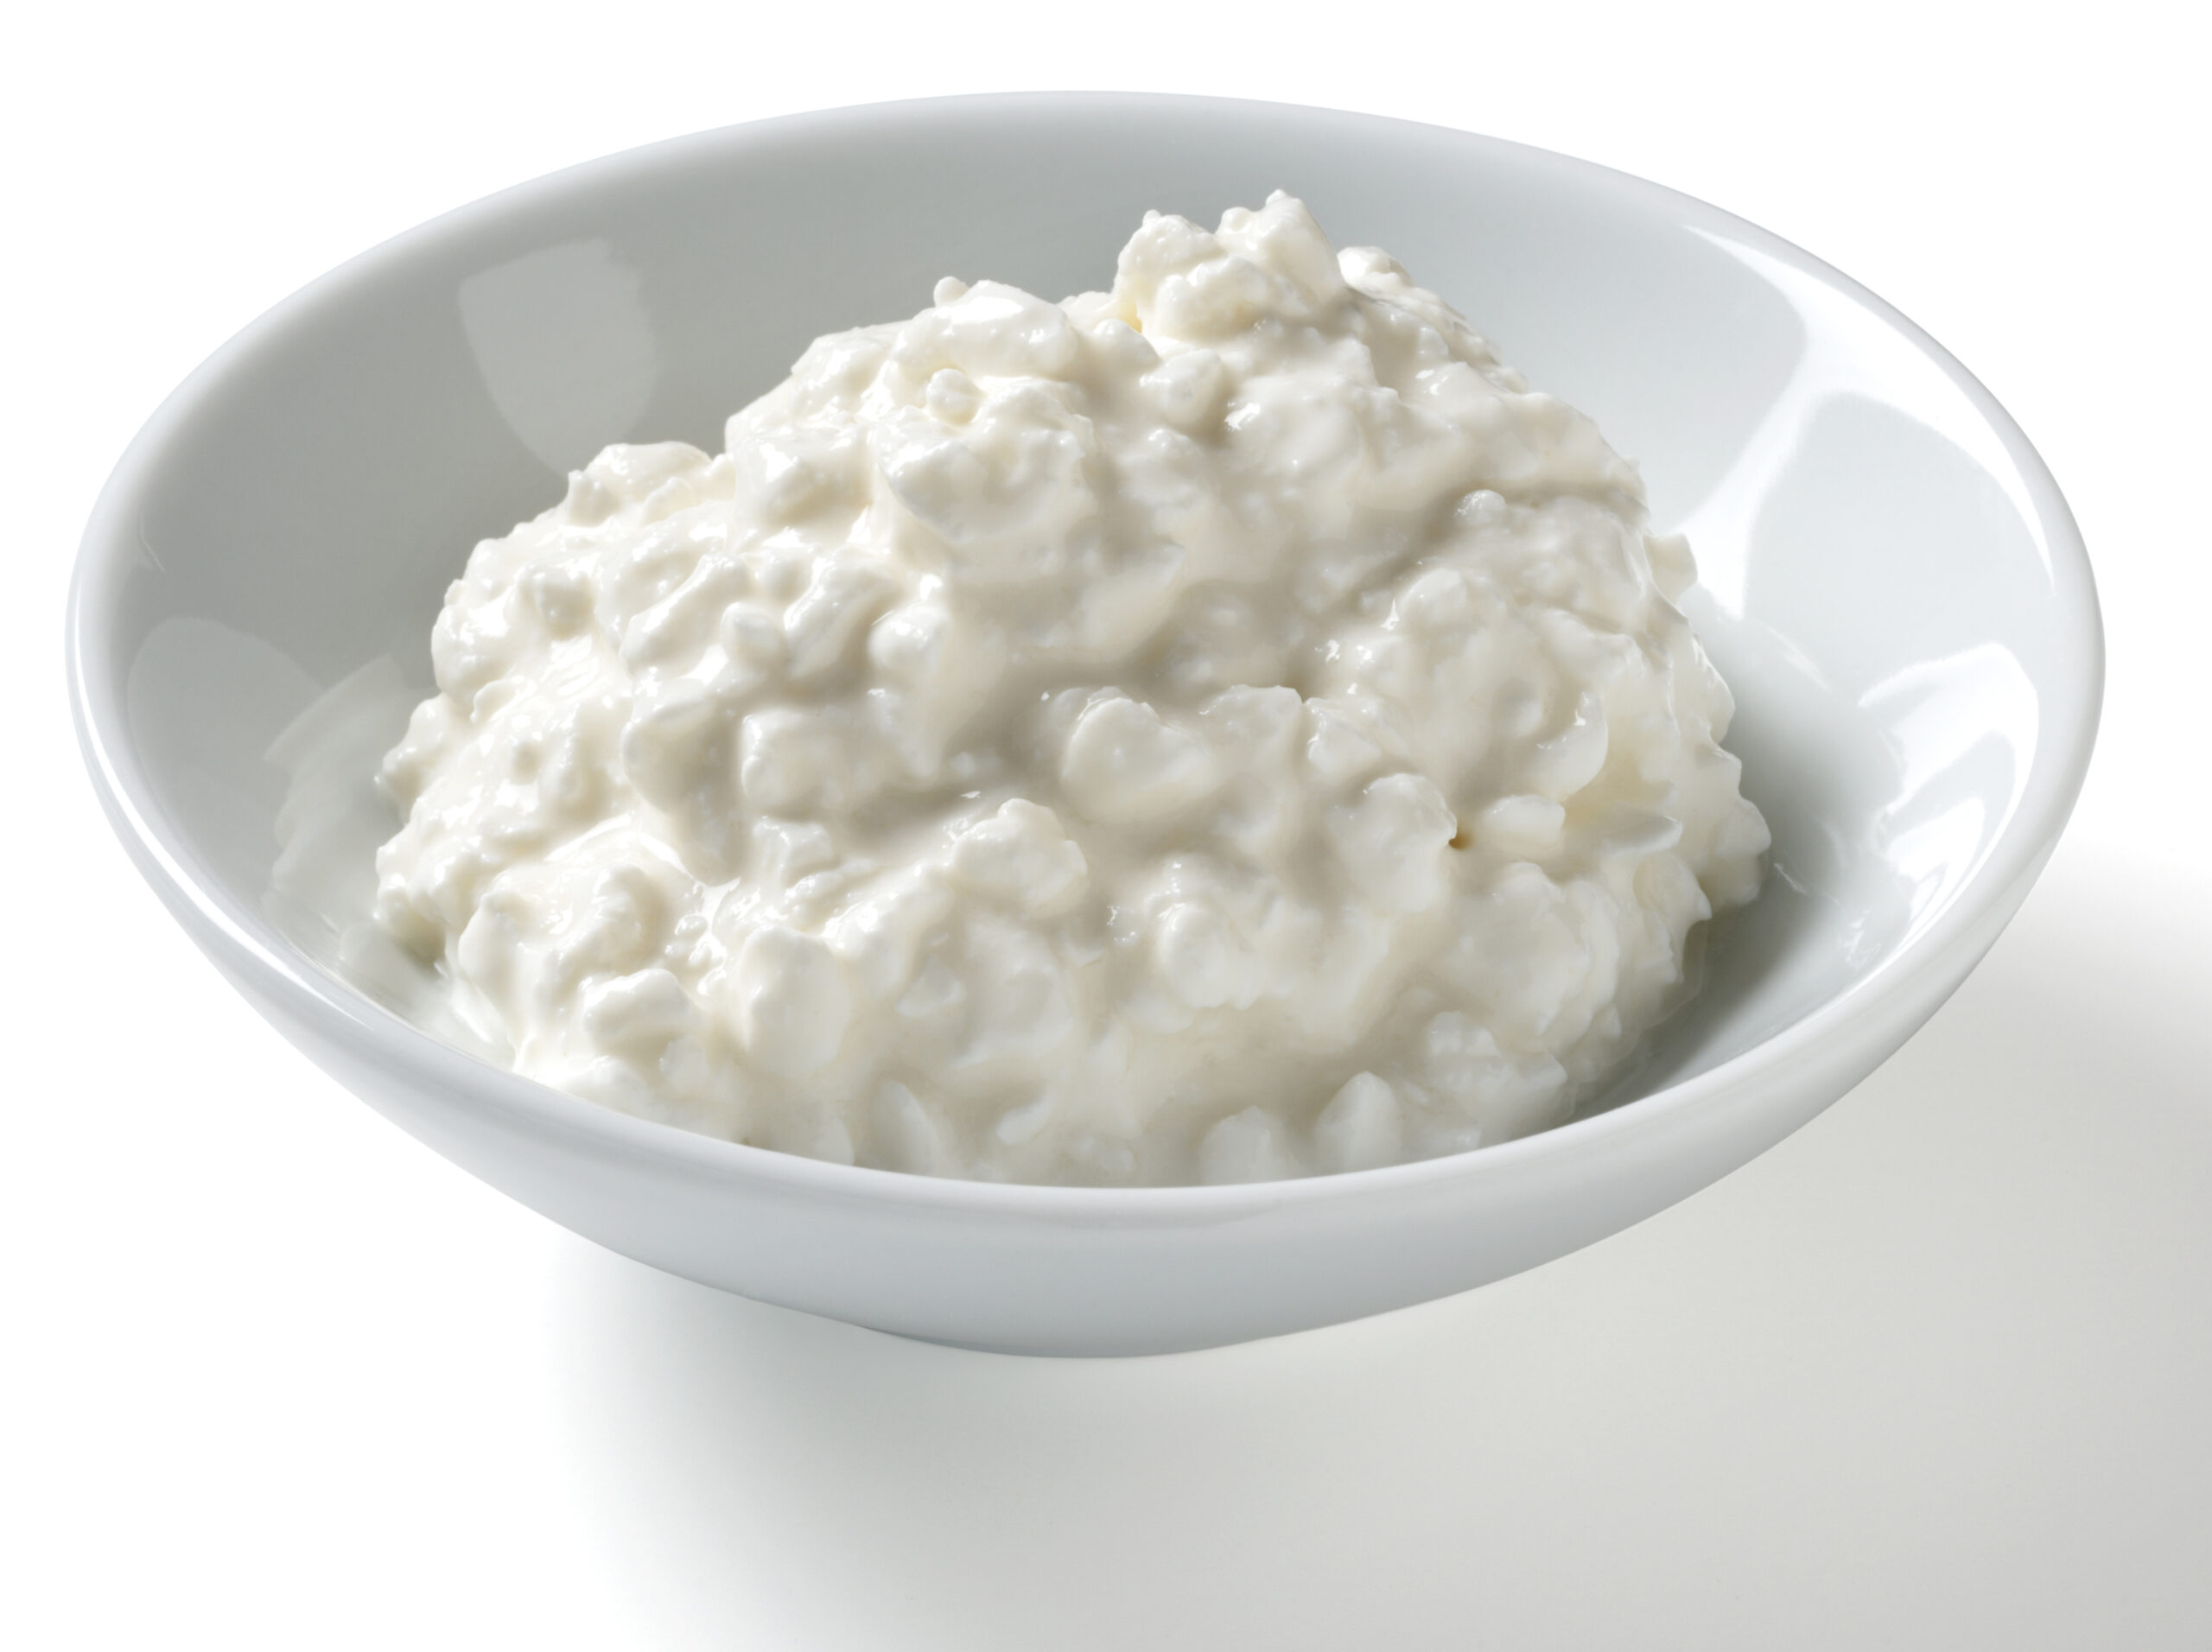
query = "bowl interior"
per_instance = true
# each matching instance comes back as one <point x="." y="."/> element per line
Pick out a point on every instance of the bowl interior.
<point x="1911" y="664"/>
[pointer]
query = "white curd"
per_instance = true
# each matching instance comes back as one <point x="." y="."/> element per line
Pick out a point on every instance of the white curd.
<point x="1225" y="728"/>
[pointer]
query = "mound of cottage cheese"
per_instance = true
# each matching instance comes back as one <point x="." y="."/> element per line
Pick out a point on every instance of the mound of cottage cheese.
<point x="1222" y="729"/>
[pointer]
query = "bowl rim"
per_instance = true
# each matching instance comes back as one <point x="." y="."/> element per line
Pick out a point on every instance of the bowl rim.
<point x="278" y="974"/>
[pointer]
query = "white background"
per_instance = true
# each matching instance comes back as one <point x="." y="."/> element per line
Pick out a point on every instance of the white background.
<point x="1933" y="1373"/>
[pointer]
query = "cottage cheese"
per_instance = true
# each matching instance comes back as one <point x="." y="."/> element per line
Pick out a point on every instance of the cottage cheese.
<point x="1222" y="729"/>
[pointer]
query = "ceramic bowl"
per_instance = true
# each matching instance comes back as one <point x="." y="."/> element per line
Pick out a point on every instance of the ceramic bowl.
<point x="1889" y="581"/>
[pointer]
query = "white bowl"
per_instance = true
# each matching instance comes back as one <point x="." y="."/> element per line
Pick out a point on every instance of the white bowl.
<point x="1890" y="582"/>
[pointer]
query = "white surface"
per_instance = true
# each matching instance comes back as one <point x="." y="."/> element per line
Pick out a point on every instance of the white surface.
<point x="1929" y="1373"/>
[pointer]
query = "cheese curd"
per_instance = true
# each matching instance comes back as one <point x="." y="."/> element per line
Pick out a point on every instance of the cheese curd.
<point x="1222" y="729"/>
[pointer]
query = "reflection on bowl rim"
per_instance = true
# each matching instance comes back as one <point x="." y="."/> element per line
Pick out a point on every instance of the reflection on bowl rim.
<point x="272" y="967"/>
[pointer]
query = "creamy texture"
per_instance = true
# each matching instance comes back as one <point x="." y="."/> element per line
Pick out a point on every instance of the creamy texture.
<point x="1224" y="727"/>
